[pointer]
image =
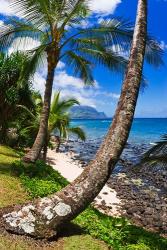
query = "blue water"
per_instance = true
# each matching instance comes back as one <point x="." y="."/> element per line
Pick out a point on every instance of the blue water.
<point x="144" y="130"/>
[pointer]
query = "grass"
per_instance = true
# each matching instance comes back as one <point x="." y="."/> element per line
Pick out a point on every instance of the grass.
<point x="11" y="191"/>
<point x="81" y="242"/>
<point x="118" y="233"/>
<point x="15" y="190"/>
<point x="87" y="243"/>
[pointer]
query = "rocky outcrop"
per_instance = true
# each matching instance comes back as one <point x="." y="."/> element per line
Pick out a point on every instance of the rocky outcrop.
<point x="142" y="189"/>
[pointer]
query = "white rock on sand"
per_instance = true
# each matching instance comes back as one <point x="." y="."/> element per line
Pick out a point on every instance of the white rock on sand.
<point x="69" y="169"/>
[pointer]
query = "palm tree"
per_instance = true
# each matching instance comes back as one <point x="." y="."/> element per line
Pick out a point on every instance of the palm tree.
<point x="59" y="120"/>
<point x="56" y="27"/>
<point x="157" y="154"/>
<point x="46" y="216"/>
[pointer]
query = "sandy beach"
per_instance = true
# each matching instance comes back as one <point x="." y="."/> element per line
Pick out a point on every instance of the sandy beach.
<point x="70" y="169"/>
<point x="137" y="194"/>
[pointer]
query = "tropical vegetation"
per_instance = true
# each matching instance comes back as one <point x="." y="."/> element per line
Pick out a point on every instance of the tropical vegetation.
<point x="13" y="92"/>
<point x="58" y="123"/>
<point x="91" y="228"/>
<point x="78" y="195"/>
<point x="56" y="26"/>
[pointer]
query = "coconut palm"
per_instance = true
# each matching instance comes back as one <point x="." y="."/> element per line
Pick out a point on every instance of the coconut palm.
<point x="59" y="120"/>
<point x="48" y="215"/>
<point x="56" y="26"/>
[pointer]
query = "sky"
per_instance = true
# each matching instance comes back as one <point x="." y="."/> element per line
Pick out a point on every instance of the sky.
<point x="104" y="95"/>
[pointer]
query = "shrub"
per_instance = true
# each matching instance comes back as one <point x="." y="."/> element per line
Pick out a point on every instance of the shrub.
<point x="39" y="179"/>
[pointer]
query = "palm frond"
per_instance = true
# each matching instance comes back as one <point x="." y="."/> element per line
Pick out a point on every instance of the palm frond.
<point x="62" y="106"/>
<point x="19" y="30"/>
<point x="78" y="131"/>
<point x="74" y="11"/>
<point x="36" y="57"/>
<point x="59" y="122"/>
<point x="110" y="32"/>
<point x="35" y="11"/>
<point x="26" y="110"/>
<point x="154" y="53"/>
<point x="105" y="57"/>
<point x="81" y="67"/>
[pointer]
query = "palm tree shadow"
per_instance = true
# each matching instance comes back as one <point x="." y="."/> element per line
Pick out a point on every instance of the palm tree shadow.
<point x="50" y="160"/>
<point x="70" y="229"/>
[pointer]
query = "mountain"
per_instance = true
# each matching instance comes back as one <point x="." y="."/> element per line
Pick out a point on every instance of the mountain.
<point x="86" y="112"/>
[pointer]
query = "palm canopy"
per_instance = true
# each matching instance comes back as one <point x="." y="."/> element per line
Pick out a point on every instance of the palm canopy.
<point x="59" y="117"/>
<point x="56" y="24"/>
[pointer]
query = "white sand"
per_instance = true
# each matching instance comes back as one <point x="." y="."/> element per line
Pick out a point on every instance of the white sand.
<point x="70" y="169"/>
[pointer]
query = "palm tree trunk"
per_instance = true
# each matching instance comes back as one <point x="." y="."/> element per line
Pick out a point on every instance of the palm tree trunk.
<point x="3" y="134"/>
<point x="45" y="147"/>
<point x="46" y="216"/>
<point x="58" y="144"/>
<point x="34" y="153"/>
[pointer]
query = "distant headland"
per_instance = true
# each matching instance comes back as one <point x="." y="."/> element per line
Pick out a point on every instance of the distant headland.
<point x="86" y="112"/>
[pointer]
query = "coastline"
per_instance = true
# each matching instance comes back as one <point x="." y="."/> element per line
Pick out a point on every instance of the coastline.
<point x="131" y="192"/>
<point x="106" y="202"/>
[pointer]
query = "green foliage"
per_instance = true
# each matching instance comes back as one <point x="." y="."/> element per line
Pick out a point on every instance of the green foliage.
<point x="118" y="232"/>
<point x="48" y="23"/>
<point x="41" y="180"/>
<point x="138" y="247"/>
<point x="40" y="188"/>
<point x="59" y="119"/>
<point x="14" y="92"/>
<point x="83" y="242"/>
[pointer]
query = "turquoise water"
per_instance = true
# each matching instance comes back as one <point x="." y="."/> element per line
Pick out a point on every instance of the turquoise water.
<point x="144" y="130"/>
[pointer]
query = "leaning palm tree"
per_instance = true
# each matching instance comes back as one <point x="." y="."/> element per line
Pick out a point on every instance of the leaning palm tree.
<point x="44" y="217"/>
<point x="56" y="27"/>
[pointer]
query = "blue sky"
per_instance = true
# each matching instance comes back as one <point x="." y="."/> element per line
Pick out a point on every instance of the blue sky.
<point x="104" y="96"/>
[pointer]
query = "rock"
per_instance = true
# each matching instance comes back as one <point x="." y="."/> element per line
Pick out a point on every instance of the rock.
<point x="103" y="202"/>
<point x="132" y="210"/>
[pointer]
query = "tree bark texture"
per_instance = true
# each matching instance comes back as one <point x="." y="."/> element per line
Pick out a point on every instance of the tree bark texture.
<point x="35" y="151"/>
<point x="45" y="217"/>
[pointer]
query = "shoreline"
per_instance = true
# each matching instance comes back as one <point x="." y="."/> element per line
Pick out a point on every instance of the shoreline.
<point x="131" y="192"/>
<point x="70" y="169"/>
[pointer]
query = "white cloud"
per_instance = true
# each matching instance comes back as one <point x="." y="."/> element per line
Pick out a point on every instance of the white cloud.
<point x="61" y="65"/>
<point x="71" y="86"/>
<point x="1" y="23"/>
<point x="104" y="7"/>
<point x="23" y="44"/>
<point x="62" y="80"/>
<point x="163" y="45"/>
<point x="5" y="7"/>
<point x="39" y="83"/>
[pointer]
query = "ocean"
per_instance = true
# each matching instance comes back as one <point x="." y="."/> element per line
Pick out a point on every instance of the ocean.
<point x="143" y="131"/>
